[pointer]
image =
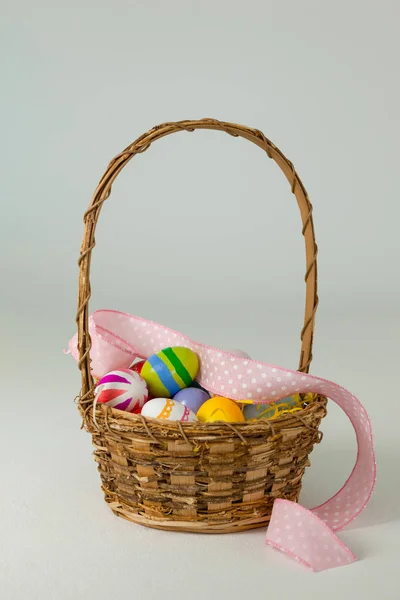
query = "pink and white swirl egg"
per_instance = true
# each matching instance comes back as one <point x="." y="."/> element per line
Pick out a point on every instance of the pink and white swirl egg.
<point x="123" y="389"/>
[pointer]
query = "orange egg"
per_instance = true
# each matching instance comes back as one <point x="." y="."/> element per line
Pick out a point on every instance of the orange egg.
<point x="219" y="408"/>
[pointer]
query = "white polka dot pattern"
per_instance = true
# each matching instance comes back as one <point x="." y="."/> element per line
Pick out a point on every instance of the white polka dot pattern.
<point x="118" y="338"/>
<point x="301" y="534"/>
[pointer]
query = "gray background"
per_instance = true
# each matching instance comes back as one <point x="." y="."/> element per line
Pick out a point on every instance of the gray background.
<point x="202" y="234"/>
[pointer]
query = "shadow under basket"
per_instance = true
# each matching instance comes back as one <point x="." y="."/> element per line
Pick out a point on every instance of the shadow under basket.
<point x="204" y="477"/>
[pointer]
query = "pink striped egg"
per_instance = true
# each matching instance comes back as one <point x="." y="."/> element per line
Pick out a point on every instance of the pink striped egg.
<point x="122" y="389"/>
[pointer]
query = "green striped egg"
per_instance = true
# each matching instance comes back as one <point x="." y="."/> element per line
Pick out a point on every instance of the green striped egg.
<point x="169" y="371"/>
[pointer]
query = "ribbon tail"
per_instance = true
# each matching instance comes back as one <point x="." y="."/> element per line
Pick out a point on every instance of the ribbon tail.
<point x="302" y="535"/>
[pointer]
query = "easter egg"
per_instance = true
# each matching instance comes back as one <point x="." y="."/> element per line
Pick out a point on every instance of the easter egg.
<point x="192" y="397"/>
<point x="169" y="371"/>
<point x="122" y="389"/>
<point x="165" y="408"/>
<point x="275" y="409"/>
<point x="239" y="353"/>
<point x="219" y="408"/>
<point x="137" y="366"/>
<point x="200" y="387"/>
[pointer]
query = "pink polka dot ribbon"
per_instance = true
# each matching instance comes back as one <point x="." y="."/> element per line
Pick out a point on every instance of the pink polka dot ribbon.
<point x="306" y="535"/>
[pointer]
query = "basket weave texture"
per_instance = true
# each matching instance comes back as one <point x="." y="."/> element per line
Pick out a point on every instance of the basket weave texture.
<point x="206" y="477"/>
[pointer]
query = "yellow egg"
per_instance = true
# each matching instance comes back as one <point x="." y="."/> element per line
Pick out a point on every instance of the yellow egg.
<point x="219" y="408"/>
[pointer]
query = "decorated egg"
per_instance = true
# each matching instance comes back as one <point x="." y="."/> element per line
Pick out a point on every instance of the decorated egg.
<point x="165" y="408"/>
<point x="122" y="389"/>
<point x="275" y="409"/>
<point x="192" y="397"/>
<point x="219" y="408"/>
<point x="137" y="366"/>
<point x="169" y="371"/>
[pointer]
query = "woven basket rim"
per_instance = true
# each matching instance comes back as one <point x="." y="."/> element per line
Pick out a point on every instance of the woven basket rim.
<point x="196" y="424"/>
<point x="123" y="420"/>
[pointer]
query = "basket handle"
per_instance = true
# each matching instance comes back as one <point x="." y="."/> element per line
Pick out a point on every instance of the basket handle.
<point x="103" y="191"/>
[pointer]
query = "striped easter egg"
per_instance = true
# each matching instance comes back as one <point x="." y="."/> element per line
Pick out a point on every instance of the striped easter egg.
<point x="169" y="371"/>
<point x="122" y="389"/>
<point x="137" y="366"/>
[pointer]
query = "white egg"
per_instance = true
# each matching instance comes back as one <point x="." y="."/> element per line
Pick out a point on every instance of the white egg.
<point x="164" y="408"/>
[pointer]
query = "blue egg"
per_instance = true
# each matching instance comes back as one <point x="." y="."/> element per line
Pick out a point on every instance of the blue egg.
<point x="192" y="397"/>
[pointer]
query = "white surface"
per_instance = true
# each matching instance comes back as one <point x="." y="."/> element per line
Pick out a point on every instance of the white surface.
<point x="59" y="539"/>
<point x="80" y="81"/>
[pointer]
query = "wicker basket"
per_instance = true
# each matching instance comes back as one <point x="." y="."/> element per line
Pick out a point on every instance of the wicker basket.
<point x="204" y="477"/>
